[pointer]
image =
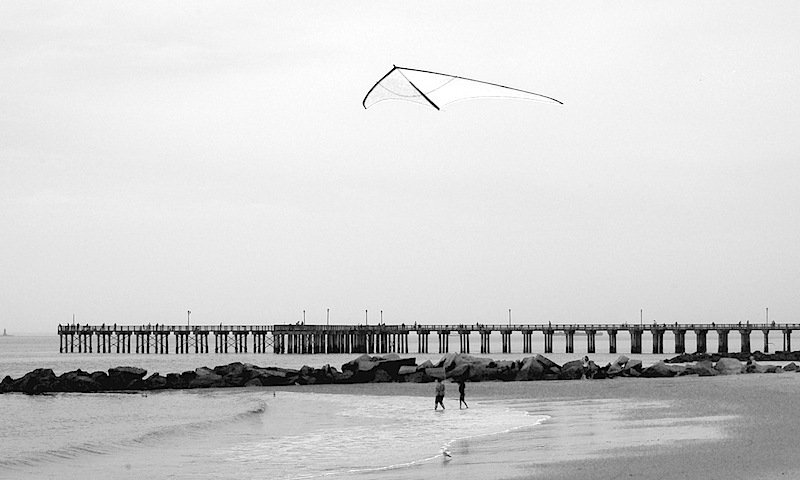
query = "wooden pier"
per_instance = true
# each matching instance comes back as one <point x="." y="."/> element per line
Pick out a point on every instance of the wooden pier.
<point x="311" y="339"/>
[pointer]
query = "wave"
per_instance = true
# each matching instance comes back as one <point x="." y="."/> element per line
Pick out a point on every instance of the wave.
<point x="433" y="456"/>
<point x="153" y="430"/>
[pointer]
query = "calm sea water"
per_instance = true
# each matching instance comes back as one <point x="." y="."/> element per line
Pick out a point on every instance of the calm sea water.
<point x="365" y="431"/>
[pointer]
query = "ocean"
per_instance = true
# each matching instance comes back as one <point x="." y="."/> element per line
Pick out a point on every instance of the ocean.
<point x="374" y="431"/>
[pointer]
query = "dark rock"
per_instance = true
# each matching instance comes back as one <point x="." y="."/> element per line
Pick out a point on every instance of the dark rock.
<point x="273" y="377"/>
<point x="790" y="367"/>
<point x="662" y="370"/>
<point x="602" y="372"/>
<point x="41" y="380"/>
<point x="365" y="368"/>
<point x="613" y="370"/>
<point x="572" y="370"/>
<point x="235" y="374"/>
<point x="425" y="364"/>
<point x="206" y="378"/>
<point x="530" y="369"/>
<point x="633" y="368"/>
<point x="155" y="382"/>
<point x="460" y="372"/>
<point x="79" y="381"/>
<point x="550" y="367"/>
<point x="122" y="378"/>
<point x="176" y="381"/>
<point x="6" y="384"/>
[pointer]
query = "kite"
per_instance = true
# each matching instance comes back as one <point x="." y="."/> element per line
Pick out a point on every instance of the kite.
<point x="438" y="89"/>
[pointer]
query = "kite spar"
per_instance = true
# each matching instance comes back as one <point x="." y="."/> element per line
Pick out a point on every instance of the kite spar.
<point x="438" y="89"/>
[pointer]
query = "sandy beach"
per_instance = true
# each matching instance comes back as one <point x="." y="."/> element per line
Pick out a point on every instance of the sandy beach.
<point x="725" y="427"/>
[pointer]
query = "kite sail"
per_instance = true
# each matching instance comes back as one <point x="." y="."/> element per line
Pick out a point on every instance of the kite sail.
<point x="439" y="89"/>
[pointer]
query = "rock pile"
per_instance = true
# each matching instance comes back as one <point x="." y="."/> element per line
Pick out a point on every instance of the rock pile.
<point x="366" y="369"/>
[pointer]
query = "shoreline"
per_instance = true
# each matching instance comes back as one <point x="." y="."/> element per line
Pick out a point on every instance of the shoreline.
<point x="734" y="426"/>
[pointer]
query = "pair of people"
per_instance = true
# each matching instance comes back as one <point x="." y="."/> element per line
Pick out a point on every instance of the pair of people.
<point x="440" y="394"/>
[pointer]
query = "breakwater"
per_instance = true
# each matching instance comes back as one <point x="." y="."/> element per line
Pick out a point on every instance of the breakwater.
<point x="388" y="368"/>
<point x="381" y="339"/>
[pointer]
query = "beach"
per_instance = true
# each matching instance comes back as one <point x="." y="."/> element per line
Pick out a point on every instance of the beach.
<point x="724" y="427"/>
<point x="737" y="426"/>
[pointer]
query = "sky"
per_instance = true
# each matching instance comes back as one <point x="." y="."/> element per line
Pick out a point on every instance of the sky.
<point x="214" y="157"/>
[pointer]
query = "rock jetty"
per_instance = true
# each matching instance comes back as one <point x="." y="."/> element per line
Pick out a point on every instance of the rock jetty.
<point x="367" y="369"/>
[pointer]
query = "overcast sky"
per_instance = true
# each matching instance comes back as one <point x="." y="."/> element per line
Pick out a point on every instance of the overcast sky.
<point x="158" y="157"/>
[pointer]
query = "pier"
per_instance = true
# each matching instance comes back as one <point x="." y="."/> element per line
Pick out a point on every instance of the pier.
<point x="379" y="339"/>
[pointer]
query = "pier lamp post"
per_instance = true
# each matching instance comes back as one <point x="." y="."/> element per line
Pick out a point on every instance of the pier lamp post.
<point x="328" y="318"/>
<point x="509" y="317"/>
<point x="366" y="317"/>
<point x="304" y="317"/>
<point x="188" y="317"/>
<point x="381" y="317"/>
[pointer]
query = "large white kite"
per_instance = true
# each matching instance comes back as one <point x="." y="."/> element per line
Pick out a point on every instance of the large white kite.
<point x="438" y="89"/>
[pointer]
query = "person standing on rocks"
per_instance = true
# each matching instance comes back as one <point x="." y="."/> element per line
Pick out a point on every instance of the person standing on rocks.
<point x="461" y="387"/>
<point x="439" y="394"/>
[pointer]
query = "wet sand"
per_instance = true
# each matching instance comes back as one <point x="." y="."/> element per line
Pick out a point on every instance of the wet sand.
<point x="725" y="427"/>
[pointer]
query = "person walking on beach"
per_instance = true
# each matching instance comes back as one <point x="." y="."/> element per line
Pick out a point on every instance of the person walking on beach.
<point x="461" y="388"/>
<point x="439" y="394"/>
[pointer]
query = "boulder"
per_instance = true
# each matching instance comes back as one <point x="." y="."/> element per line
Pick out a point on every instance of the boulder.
<point x="755" y="367"/>
<point x="6" y="384"/>
<point x="453" y="361"/>
<point x="572" y="370"/>
<point x="155" y="382"/>
<point x="123" y="378"/>
<point x="530" y="369"/>
<point x="176" y="381"/>
<point x="550" y="367"/>
<point x="275" y="376"/>
<point x="41" y="380"/>
<point x="424" y="365"/>
<point x="364" y="363"/>
<point x="704" y="368"/>
<point x="390" y="364"/>
<point x="662" y="370"/>
<point x="317" y="376"/>
<point x="365" y="368"/>
<point x="602" y="372"/>
<point x="206" y="378"/>
<point x="790" y="367"/>
<point x="436" y="372"/>
<point x="633" y="368"/>
<point x="459" y="372"/>
<point x="235" y="374"/>
<point x="79" y="381"/>
<point x="728" y="366"/>
<point x="613" y="370"/>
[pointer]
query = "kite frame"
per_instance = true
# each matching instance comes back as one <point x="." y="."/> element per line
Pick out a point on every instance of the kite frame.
<point x="395" y="67"/>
